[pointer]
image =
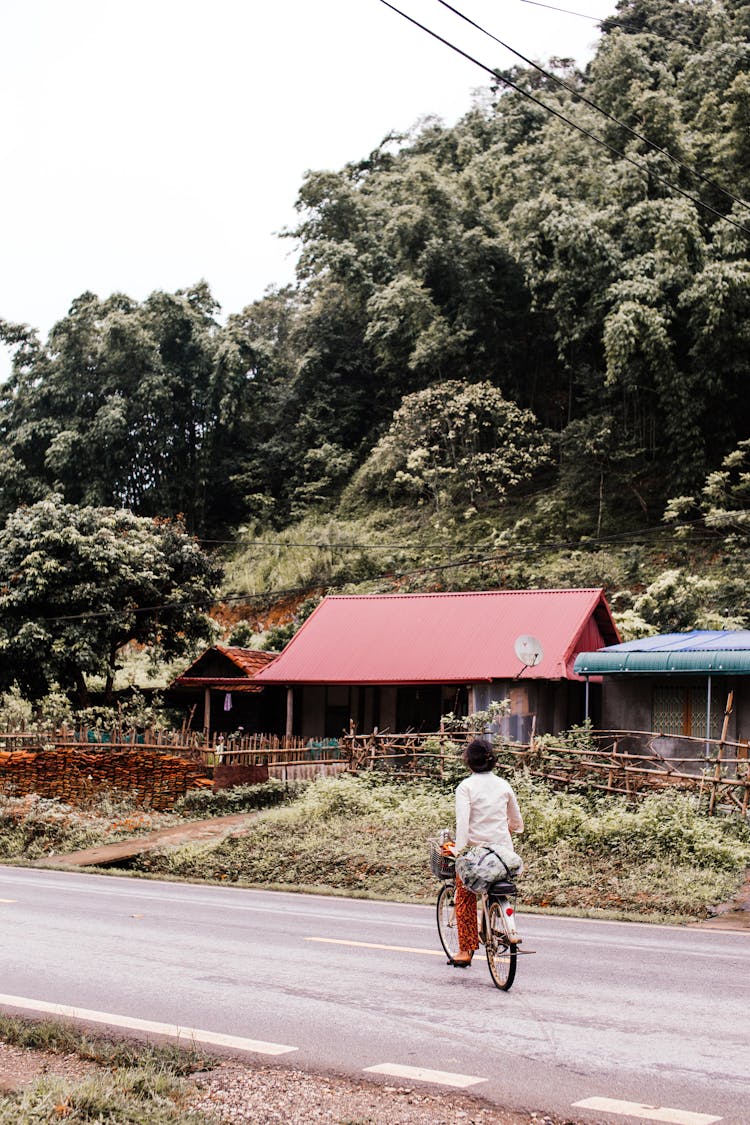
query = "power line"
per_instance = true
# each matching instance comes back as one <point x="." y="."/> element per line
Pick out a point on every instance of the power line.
<point x="565" y="11"/>
<point x="593" y="105"/>
<point x="649" y="173"/>
<point x="481" y="555"/>
<point x="343" y="546"/>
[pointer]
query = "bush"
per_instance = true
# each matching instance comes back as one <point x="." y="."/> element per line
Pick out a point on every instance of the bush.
<point x="32" y="827"/>
<point x="367" y="834"/>
<point x="241" y="798"/>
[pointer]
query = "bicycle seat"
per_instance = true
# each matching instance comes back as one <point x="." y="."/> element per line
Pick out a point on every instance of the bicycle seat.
<point x="502" y="887"/>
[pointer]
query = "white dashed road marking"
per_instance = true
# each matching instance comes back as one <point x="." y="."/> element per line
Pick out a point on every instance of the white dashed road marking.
<point x="182" y="1034"/>
<point x="375" y="945"/>
<point x="420" y="1074"/>
<point x="647" y="1112"/>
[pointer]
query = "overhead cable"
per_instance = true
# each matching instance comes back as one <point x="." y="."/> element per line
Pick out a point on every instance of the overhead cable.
<point x="481" y="555"/>
<point x="565" y="11"/>
<point x="648" y="172"/>
<point x="593" y="105"/>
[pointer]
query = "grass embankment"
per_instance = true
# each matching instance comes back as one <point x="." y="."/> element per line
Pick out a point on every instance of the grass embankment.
<point x="127" y="1082"/>
<point x="367" y="836"/>
<point x="32" y="827"/>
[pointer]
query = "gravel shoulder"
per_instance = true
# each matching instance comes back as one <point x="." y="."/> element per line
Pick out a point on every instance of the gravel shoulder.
<point x="266" y="1095"/>
<point x="236" y="1093"/>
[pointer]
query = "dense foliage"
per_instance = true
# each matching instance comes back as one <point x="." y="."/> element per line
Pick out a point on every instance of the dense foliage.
<point x="508" y="253"/>
<point x="80" y="583"/>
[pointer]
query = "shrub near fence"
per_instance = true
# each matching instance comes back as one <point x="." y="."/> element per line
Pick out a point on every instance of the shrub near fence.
<point x="622" y="763"/>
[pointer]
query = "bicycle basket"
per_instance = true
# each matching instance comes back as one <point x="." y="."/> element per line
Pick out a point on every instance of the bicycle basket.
<point x="442" y="866"/>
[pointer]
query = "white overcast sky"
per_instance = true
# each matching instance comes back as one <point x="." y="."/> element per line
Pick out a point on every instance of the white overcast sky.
<point x="152" y="143"/>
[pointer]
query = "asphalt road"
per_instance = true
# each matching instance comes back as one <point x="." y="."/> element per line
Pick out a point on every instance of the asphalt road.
<point x="636" y="1015"/>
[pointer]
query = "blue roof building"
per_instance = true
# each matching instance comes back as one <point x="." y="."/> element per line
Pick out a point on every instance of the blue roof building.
<point x="675" y="683"/>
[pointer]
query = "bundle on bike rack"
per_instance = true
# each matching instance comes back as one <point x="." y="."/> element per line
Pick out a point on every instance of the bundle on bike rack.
<point x="441" y="865"/>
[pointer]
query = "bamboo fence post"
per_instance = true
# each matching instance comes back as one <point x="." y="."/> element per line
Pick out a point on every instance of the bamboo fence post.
<point x="612" y="760"/>
<point x="626" y="771"/>
<point x="719" y="754"/>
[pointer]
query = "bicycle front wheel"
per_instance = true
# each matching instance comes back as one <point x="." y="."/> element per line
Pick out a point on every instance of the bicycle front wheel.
<point x="501" y="953"/>
<point x="446" y="919"/>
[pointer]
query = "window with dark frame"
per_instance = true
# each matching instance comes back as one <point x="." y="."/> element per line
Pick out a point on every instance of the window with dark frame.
<point x="682" y="710"/>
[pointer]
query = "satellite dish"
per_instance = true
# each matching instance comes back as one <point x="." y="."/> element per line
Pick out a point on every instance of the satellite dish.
<point x="528" y="650"/>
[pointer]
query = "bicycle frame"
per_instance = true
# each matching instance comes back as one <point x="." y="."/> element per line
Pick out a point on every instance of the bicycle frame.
<point x="496" y="924"/>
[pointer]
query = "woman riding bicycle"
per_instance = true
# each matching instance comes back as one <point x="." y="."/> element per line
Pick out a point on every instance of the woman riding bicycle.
<point x="486" y="813"/>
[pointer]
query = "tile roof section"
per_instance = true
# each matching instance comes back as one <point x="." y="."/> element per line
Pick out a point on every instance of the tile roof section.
<point x="247" y="661"/>
<point x="441" y="638"/>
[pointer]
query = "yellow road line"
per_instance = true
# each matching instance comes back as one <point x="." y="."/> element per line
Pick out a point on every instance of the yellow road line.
<point x="375" y="945"/>
<point x="8" y="900"/>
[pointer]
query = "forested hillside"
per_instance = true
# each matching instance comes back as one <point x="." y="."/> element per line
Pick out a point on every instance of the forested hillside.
<point x="503" y="335"/>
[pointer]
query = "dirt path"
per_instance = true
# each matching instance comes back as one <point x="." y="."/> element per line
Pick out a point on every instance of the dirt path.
<point x="106" y="855"/>
<point x="732" y="915"/>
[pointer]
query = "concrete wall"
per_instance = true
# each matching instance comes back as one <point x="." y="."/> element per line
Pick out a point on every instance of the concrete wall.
<point x="627" y="705"/>
<point x="627" y="701"/>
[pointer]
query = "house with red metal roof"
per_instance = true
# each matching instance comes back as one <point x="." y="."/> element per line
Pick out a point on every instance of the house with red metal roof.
<point x="399" y="662"/>
<point x="220" y="693"/>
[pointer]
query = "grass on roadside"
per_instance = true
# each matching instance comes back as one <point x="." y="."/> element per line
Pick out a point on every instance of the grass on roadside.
<point x="132" y="1083"/>
<point x="32" y="827"/>
<point x="367" y="835"/>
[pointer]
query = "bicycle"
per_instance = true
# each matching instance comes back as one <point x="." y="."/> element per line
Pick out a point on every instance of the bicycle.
<point x="496" y="923"/>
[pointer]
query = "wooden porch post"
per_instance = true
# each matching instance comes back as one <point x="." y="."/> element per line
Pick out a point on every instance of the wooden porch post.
<point x="289" y="711"/>
<point x="207" y="712"/>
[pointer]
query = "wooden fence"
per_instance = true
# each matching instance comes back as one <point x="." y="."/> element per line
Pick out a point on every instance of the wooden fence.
<point x="627" y="763"/>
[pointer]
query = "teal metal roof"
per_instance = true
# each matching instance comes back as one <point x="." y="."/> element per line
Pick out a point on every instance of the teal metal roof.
<point x="707" y="652"/>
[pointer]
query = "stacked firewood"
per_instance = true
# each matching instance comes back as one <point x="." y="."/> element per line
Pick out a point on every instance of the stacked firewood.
<point x="75" y="775"/>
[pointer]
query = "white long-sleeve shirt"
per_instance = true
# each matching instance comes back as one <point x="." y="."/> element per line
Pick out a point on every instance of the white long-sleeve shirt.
<point x="486" y="811"/>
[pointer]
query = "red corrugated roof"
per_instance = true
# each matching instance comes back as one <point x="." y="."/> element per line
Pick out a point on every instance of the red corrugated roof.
<point x="441" y="638"/>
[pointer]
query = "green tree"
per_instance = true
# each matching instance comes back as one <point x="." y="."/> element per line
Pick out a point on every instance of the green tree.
<point x="79" y="583"/>
<point x="129" y="404"/>
<point x="456" y="444"/>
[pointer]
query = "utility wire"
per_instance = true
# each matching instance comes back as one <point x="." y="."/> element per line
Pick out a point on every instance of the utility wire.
<point x="649" y="173"/>
<point x="565" y="11"/>
<point x="481" y="555"/>
<point x="593" y="105"/>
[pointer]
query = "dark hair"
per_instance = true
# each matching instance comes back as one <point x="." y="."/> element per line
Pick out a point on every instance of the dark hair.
<point x="479" y="756"/>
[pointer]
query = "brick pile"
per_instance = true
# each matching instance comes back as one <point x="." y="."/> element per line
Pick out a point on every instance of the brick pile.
<point x="76" y="775"/>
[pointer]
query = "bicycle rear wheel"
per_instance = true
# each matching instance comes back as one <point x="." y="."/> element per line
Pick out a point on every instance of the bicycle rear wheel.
<point x="446" y="919"/>
<point x="501" y="954"/>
